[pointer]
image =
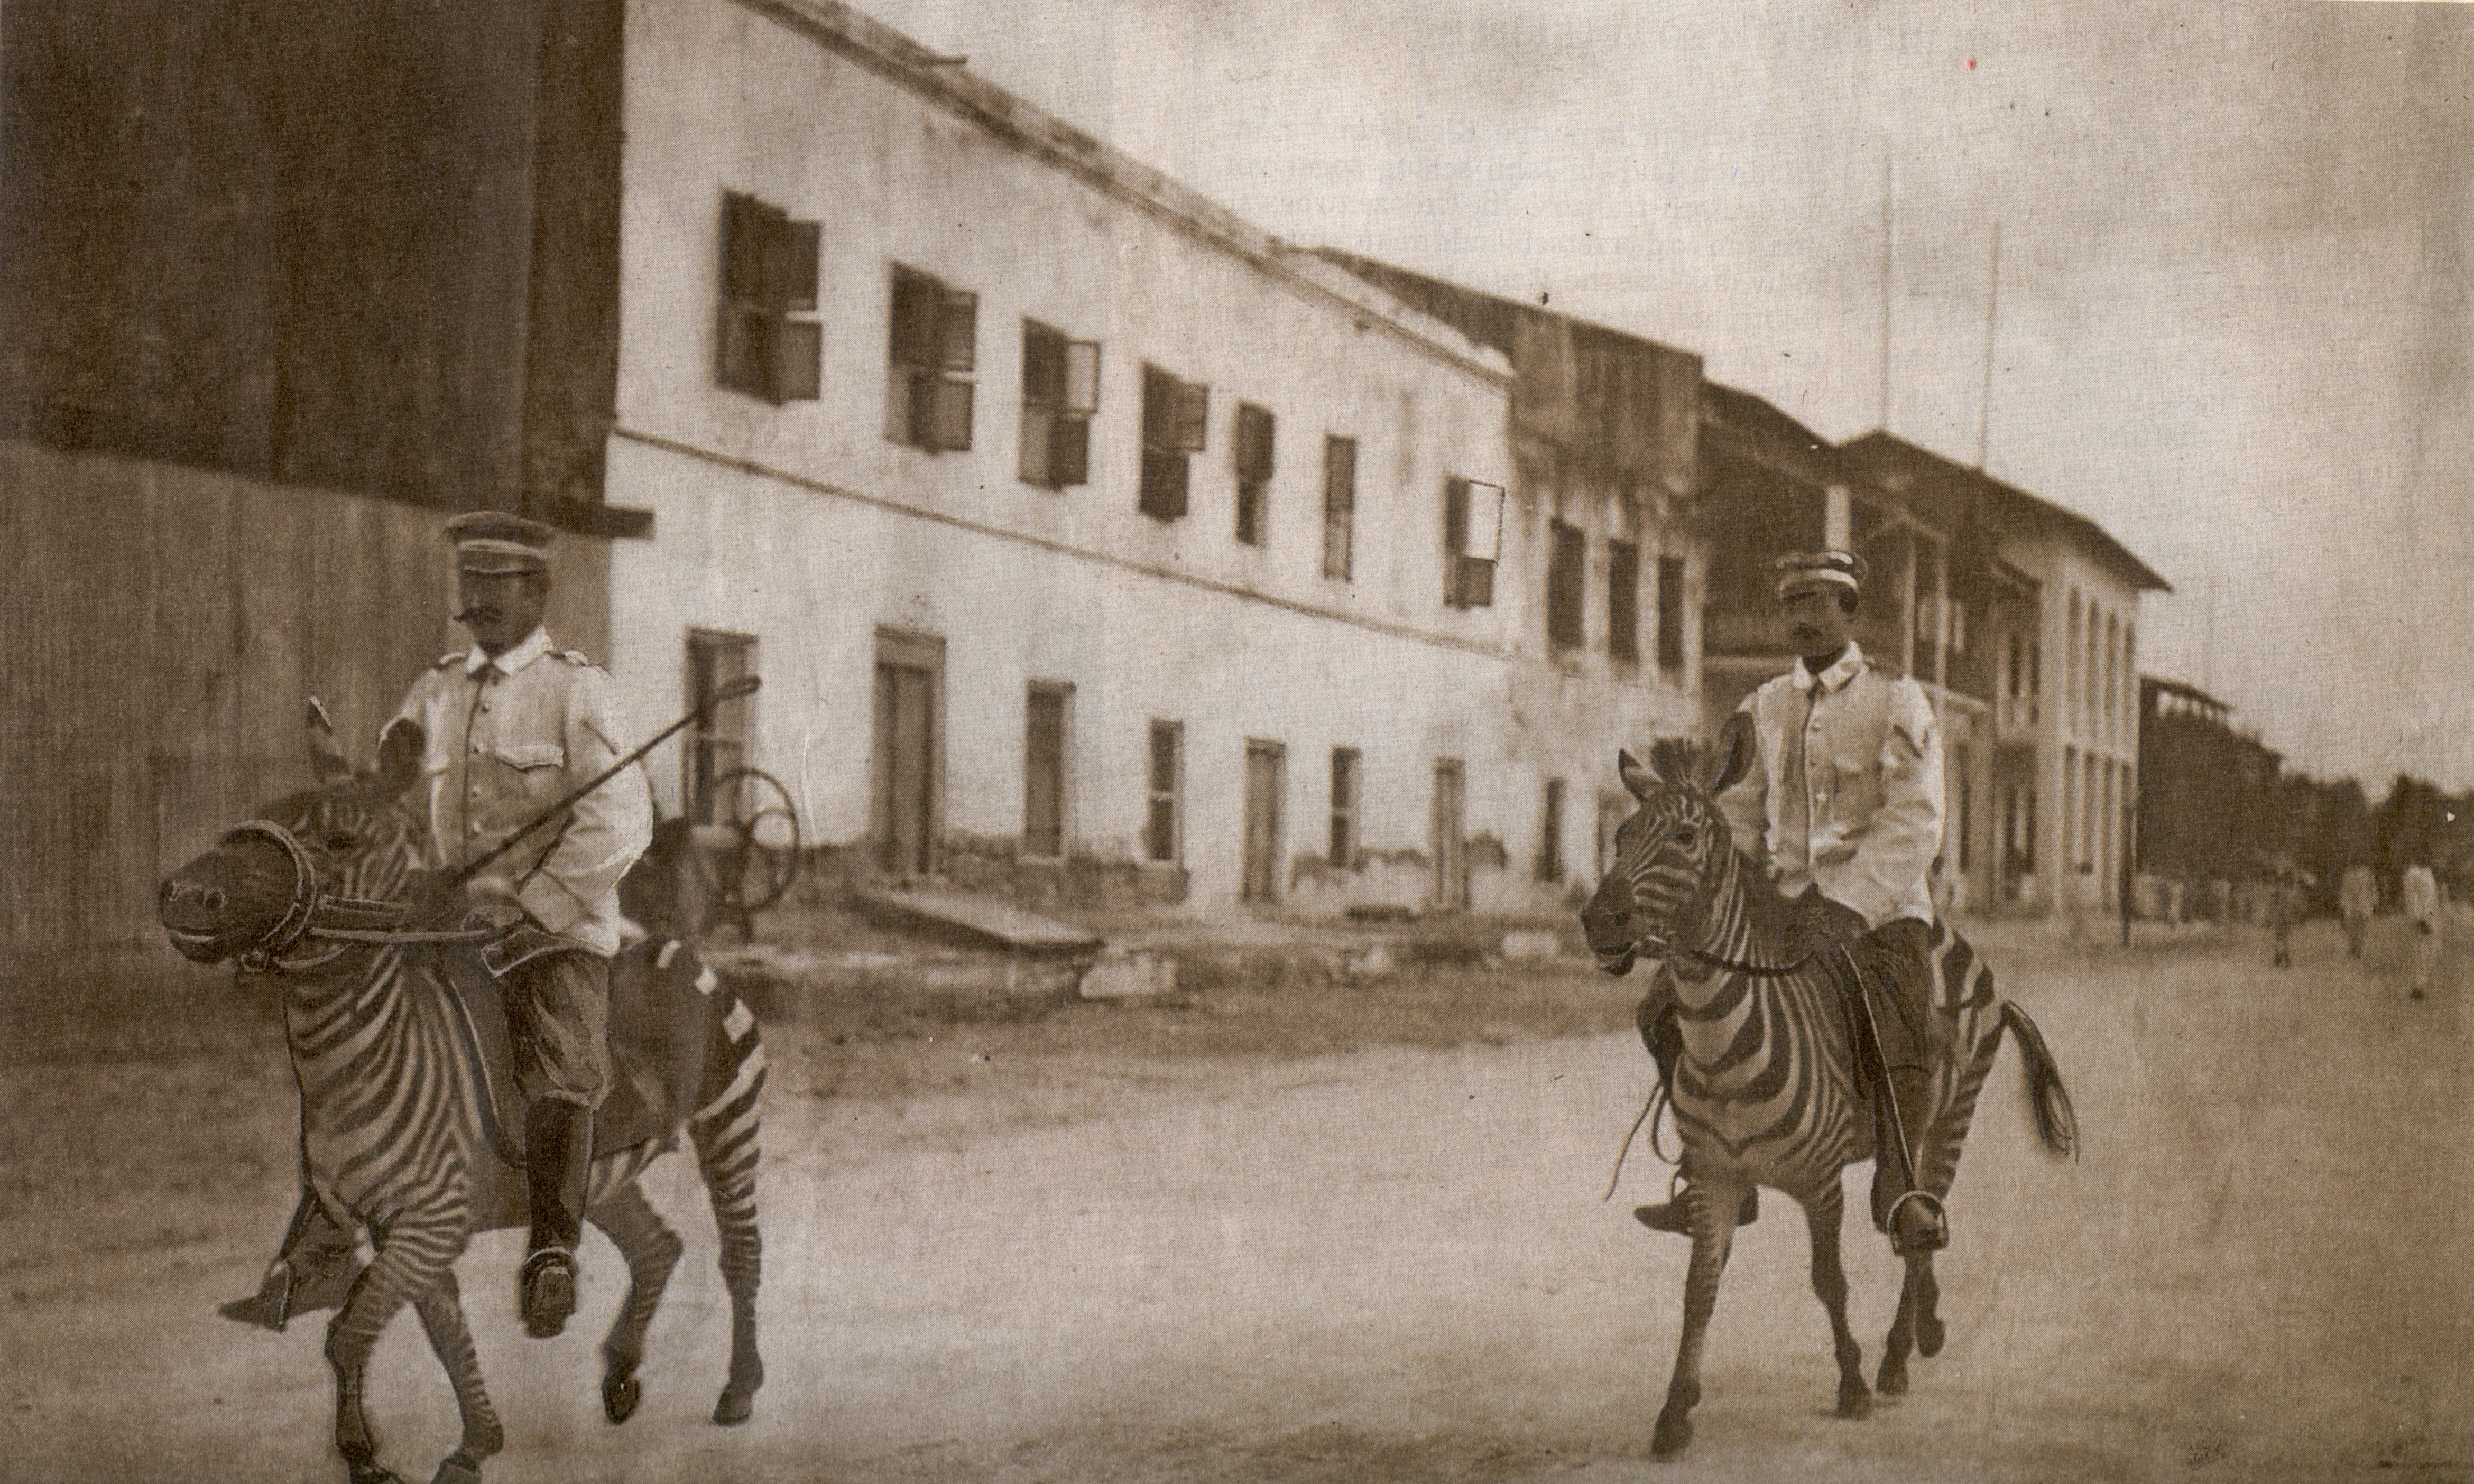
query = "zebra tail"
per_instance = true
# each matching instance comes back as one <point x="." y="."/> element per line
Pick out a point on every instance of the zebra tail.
<point x="2047" y="1100"/>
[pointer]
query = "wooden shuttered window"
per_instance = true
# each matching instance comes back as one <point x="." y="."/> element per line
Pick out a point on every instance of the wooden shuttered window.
<point x="1176" y="418"/>
<point x="1060" y="391"/>
<point x="1550" y="834"/>
<point x="1254" y="449"/>
<point x="768" y="279"/>
<point x="1568" y="549"/>
<point x="1468" y="579"/>
<point x="1166" y="779"/>
<point x="933" y="363"/>
<point x="1343" y="855"/>
<point x="1339" y="505"/>
<point x="1670" y="613"/>
<point x="1623" y="602"/>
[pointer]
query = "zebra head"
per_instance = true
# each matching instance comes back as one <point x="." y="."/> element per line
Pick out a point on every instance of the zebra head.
<point x="1672" y="855"/>
<point x="348" y="836"/>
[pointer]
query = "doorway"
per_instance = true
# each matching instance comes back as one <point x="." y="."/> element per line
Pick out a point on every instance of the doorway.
<point x="906" y="766"/>
<point x="1265" y="764"/>
<point x="1450" y="831"/>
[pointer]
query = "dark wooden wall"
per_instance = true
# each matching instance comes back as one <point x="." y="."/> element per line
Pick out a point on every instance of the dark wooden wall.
<point x="166" y="628"/>
<point x="362" y="245"/>
<point x="280" y="284"/>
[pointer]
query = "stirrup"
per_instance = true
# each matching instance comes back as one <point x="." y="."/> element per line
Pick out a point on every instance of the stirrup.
<point x="1934" y="1233"/>
<point x="545" y="1291"/>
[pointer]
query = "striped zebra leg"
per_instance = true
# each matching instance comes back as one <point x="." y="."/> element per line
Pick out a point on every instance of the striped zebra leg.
<point x="1824" y="1216"/>
<point x="651" y="1250"/>
<point x="441" y="1307"/>
<point x="1713" y="1204"/>
<point x="1914" y="1329"/>
<point x="414" y="1252"/>
<point x="725" y="1132"/>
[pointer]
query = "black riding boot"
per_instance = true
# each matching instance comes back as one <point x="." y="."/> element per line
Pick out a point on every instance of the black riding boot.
<point x="313" y="1269"/>
<point x="1661" y="1031"/>
<point x="1912" y="1217"/>
<point x="558" y="1157"/>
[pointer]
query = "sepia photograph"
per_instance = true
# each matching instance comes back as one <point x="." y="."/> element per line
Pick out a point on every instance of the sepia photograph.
<point x="1639" y="740"/>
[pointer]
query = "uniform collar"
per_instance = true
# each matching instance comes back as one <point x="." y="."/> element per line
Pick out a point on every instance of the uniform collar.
<point x="535" y="645"/>
<point x="1835" y="678"/>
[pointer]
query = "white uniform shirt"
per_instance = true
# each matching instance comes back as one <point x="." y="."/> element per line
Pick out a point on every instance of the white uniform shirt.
<point x="2421" y="895"/>
<point x="1847" y="792"/>
<point x="508" y="738"/>
<point x="2358" y="893"/>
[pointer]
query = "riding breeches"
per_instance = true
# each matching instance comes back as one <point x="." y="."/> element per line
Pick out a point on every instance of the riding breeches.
<point x="558" y="1025"/>
<point x="1895" y="959"/>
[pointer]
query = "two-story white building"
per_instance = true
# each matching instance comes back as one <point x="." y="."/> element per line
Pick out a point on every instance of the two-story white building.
<point x="2043" y="634"/>
<point x="1092" y="545"/>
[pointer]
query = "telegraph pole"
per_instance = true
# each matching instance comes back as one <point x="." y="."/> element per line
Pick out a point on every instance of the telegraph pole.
<point x="1992" y="309"/>
<point x="1888" y="227"/>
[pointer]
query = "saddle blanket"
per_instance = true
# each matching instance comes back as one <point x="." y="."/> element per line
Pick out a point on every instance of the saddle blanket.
<point x="663" y="1012"/>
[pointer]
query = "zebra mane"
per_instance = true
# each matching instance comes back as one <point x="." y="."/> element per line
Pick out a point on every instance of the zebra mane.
<point x="1678" y="762"/>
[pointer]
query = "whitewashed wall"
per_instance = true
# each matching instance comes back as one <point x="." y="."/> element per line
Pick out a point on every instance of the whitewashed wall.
<point x="803" y="526"/>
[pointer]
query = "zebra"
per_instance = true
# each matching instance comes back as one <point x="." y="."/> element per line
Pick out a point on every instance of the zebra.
<point x="397" y="1126"/>
<point x="1766" y="1093"/>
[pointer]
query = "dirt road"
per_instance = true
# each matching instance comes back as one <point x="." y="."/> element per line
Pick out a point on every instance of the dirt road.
<point x="1395" y="1266"/>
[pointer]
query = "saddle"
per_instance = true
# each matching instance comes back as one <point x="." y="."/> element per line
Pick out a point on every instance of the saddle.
<point x="659" y="1030"/>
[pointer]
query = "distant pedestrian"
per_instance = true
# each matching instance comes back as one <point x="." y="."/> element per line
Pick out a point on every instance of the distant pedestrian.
<point x="2284" y="906"/>
<point x="2079" y="901"/>
<point x="2422" y="917"/>
<point x="2357" y="896"/>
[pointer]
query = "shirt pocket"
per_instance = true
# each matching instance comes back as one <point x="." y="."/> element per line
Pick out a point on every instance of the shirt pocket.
<point x="535" y="771"/>
<point x="527" y="756"/>
<point x="1855" y="790"/>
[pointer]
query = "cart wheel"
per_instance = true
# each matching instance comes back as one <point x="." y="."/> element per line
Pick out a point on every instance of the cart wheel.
<point x="756" y="853"/>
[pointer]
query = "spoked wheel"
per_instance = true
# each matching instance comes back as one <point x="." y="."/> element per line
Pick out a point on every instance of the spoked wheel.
<point x="749" y="854"/>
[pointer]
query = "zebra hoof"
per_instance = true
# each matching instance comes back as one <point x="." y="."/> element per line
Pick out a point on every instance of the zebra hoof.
<point x="736" y="1406"/>
<point x="620" y="1398"/>
<point x="1674" y="1432"/>
<point x="1855" y="1404"/>
<point x="1929" y="1334"/>
<point x="371" y="1474"/>
<point x="1892" y="1381"/>
<point x="457" y="1469"/>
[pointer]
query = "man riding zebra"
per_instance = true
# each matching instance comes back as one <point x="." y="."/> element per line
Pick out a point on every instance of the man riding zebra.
<point x="1842" y="809"/>
<point x="509" y="726"/>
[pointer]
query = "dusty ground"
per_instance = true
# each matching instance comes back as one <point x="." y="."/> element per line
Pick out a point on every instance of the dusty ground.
<point x="1289" y="1230"/>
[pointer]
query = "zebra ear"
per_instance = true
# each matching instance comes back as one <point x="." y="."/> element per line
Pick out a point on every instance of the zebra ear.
<point x="400" y="749"/>
<point x="326" y="759"/>
<point x="1635" y="777"/>
<point x="1733" y="757"/>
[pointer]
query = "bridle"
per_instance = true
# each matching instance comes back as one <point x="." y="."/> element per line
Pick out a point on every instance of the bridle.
<point x="314" y="914"/>
<point x="1654" y="947"/>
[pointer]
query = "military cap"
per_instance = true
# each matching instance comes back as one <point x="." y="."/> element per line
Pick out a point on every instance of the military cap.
<point x="493" y="541"/>
<point x="1802" y="571"/>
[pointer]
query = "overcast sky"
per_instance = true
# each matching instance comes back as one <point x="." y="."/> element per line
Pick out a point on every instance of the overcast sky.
<point x="2234" y="321"/>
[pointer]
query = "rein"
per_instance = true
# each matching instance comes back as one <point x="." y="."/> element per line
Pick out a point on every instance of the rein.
<point x="343" y="920"/>
<point x="1757" y="970"/>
